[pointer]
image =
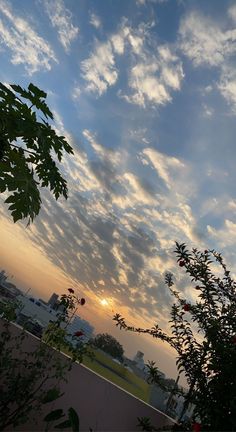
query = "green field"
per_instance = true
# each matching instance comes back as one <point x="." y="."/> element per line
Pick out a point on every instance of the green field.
<point x="118" y="374"/>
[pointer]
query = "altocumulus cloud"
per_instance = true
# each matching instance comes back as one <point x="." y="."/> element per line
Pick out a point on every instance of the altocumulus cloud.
<point x="61" y="20"/>
<point x="143" y="177"/>
<point x="26" y="46"/>
<point x="209" y="44"/>
<point x="151" y="79"/>
<point x="127" y="240"/>
<point x="154" y="77"/>
<point x="95" y="21"/>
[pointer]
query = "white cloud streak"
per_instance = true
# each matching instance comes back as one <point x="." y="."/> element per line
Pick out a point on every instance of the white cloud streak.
<point x="95" y="21"/>
<point x="99" y="69"/>
<point x="227" y="86"/>
<point x="207" y="43"/>
<point x="167" y="166"/>
<point x="156" y="73"/>
<point x="204" y="42"/>
<point x="27" y="47"/>
<point x="61" y="19"/>
<point x="152" y="80"/>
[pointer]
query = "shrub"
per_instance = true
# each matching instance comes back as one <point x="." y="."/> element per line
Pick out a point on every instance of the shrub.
<point x="203" y="334"/>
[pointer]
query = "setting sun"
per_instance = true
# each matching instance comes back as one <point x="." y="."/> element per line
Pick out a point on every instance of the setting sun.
<point x="104" y="302"/>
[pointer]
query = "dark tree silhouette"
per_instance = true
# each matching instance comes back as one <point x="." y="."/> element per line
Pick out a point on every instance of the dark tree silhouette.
<point x="109" y="344"/>
<point x="203" y="333"/>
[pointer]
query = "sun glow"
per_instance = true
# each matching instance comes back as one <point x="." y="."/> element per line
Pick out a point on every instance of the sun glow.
<point x="104" y="302"/>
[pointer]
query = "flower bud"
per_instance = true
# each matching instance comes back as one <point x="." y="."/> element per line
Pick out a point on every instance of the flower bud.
<point x="79" y="333"/>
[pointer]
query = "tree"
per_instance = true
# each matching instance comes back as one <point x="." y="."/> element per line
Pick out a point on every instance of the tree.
<point x="203" y="333"/>
<point x="109" y="344"/>
<point x="26" y="376"/>
<point x="28" y="149"/>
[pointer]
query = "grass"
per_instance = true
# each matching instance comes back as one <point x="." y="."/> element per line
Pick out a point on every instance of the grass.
<point x="118" y="374"/>
<point x="104" y="365"/>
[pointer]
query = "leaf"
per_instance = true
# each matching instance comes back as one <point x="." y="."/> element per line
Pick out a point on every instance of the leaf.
<point x="31" y="163"/>
<point x="20" y="90"/>
<point x="17" y="215"/>
<point x="54" y="415"/>
<point x="64" y="425"/>
<point x="39" y="93"/>
<point x="51" y="395"/>
<point x="74" y="419"/>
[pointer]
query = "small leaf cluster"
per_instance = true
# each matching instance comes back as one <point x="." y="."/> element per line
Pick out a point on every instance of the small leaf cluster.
<point x="56" y="334"/>
<point x="155" y="376"/>
<point x="28" y="149"/>
<point x="26" y="376"/>
<point x="71" y="422"/>
<point x="144" y="423"/>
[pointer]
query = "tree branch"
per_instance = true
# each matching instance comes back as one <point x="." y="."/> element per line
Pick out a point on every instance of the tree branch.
<point x="27" y="151"/>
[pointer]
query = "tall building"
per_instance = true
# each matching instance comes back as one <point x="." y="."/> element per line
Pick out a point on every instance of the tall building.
<point x="139" y="359"/>
<point x="53" y="301"/>
<point x="3" y="277"/>
<point x="79" y="324"/>
<point x="7" y="289"/>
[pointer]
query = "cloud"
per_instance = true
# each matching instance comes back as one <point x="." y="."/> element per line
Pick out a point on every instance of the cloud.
<point x="207" y="110"/>
<point x="126" y="241"/>
<point x="99" y="69"/>
<point x="27" y="47"/>
<point x="76" y="93"/>
<point x="204" y="42"/>
<point x="95" y="21"/>
<point x="106" y="154"/>
<point x="207" y="43"/>
<point x="154" y="76"/>
<point x="104" y="165"/>
<point x="232" y="13"/>
<point x="145" y="2"/>
<point x="118" y="43"/>
<point x="120" y="226"/>
<point x="166" y="166"/>
<point x="227" y="86"/>
<point x="135" y="192"/>
<point x="61" y="19"/>
<point x="77" y="170"/>
<point x="151" y="79"/>
<point x="151" y="82"/>
<point x="225" y="236"/>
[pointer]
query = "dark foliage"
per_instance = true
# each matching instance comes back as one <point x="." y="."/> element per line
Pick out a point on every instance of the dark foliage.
<point x="109" y="344"/>
<point x="203" y="333"/>
<point x="28" y="149"/>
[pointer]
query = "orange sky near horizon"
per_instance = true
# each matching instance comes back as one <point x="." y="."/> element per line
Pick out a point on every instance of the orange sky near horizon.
<point x="27" y="263"/>
<point x="29" y="268"/>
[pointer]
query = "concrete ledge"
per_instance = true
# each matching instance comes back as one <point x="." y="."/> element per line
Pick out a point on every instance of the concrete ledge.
<point x="100" y="404"/>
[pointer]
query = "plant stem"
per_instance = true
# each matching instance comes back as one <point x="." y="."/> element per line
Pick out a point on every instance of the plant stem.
<point x="25" y="150"/>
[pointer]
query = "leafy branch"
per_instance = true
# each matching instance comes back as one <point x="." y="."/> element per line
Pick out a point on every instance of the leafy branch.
<point x="28" y="147"/>
<point x="203" y="334"/>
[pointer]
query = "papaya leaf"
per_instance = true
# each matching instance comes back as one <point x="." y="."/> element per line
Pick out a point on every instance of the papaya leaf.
<point x="54" y="415"/>
<point x="28" y="146"/>
<point x="51" y="395"/>
<point x="64" y="425"/>
<point x="74" y="419"/>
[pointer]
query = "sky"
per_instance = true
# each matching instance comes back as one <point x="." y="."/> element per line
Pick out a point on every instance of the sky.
<point x="145" y="92"/>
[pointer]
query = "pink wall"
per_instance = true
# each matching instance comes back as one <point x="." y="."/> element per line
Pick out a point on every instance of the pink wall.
<point x="101" y="405"/>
